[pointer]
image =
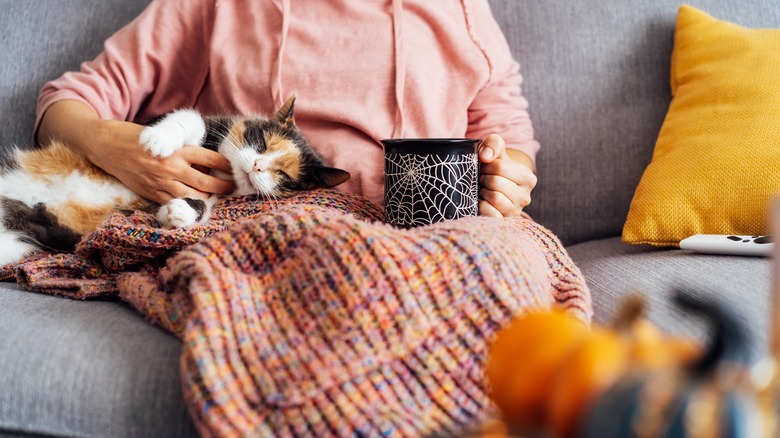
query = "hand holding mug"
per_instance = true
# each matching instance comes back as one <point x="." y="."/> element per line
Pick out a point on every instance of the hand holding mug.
<point x="506" y="179"/>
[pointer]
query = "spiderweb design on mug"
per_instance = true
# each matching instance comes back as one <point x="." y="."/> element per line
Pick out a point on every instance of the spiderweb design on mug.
<point x="424" y="189"/>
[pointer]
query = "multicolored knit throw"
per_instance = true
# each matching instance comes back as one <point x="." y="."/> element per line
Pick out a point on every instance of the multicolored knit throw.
<point x="311" y="317"/>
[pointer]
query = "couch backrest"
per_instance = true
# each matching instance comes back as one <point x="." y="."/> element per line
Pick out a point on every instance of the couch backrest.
<point x="40" y="41"/>
<point x="596" y="75"/>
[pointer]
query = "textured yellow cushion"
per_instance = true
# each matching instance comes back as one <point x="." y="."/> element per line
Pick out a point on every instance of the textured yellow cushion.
<point x="716" y="164"/>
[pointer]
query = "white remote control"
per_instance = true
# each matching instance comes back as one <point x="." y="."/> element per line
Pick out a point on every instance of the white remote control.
<point x="729" y="244"/>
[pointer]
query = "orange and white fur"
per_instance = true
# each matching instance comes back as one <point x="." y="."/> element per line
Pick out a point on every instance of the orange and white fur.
<point x="52" y="196"/>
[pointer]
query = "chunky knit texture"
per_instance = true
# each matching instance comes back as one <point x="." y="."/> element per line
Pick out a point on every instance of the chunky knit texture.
<point x="310" y="316"/>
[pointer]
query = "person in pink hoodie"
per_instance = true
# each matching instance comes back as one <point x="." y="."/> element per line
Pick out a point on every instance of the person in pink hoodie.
<point x="362" y="71"/>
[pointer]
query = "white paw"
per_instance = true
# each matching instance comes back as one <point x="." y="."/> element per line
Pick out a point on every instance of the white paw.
<point x="14" y="248"/>
<point x="179" y="128"/>
<point x="177" y="213"/>
<point x="162" y="142"/>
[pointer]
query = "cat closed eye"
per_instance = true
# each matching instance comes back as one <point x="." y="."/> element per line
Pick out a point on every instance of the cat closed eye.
<point x="281" y="174"/>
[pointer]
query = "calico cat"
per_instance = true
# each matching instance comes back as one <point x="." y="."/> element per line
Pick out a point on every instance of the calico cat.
<point x="50" y="197"/>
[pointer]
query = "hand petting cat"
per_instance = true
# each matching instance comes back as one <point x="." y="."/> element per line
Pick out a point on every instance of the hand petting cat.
<point x="113" y="146"/>
<point x="160" y="179"/>
<point x="86" y="169"/>
<point x="506" y="179"/>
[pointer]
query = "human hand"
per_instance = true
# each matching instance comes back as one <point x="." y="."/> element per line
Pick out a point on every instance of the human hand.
<point x="505" y="183"/>
<point x="116" y="150"/>
<point x="114" y="147"/>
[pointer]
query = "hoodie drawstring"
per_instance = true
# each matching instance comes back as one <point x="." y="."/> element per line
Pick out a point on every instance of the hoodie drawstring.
<point x="400" y="67"/>
<point x="400" y="63"/>
<point x="276" y="91"/>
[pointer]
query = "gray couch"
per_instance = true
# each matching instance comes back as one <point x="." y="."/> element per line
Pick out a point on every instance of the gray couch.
<point x="597" y="78"/>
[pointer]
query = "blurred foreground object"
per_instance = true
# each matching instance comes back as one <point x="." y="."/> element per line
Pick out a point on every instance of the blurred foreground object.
<point x="545" y="369"/>
<point x="710" y="397"/>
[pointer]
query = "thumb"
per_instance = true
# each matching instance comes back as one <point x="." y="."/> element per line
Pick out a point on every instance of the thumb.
<point x="492" y="147"/>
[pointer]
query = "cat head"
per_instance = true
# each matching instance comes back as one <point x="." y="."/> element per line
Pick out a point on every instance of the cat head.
<point x="272" y="158"/>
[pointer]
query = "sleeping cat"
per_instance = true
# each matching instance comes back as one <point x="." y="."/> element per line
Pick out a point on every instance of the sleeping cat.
<point x="50" y="197"/>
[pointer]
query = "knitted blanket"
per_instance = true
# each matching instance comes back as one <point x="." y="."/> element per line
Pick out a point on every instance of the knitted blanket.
<point x="311" y="317"/>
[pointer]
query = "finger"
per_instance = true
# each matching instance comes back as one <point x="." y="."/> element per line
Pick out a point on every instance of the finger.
<point x="206" y="157"/>
<point x="501" y="185"/>
<point x="176" y="189"/>
<point x="161" y="197"/>
<point x="497" y="200"/>
<point x="492" y="148"/>
<point x="513" y="171"/>
<point x="199" y="168"/>
<point x="519" y="195"/>
<point x="485" y="209"/>
<point x="204" y="182"/>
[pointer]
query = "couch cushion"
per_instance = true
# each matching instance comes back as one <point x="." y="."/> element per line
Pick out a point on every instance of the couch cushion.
<point x="85" y="369"/>
<point x="714" y="167"/>
<point x="615" y="270"/>
<point x="596" y="75"/>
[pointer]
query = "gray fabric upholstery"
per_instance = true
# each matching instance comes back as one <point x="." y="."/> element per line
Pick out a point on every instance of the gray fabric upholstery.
<point x="86" y="369"/>
<point x="74" y="368"/>
<point x="43" y="39"/>
<point x="596" y="76"/>
<point x="615" y="270"/>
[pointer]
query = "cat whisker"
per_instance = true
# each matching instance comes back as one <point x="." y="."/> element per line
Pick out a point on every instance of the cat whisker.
<point x="272" y="195"/>
<point x="236" y="146"/>
<point x="223" y="122"/>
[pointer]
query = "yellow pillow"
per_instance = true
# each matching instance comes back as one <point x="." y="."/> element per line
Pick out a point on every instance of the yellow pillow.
<point x="716" y="164"/>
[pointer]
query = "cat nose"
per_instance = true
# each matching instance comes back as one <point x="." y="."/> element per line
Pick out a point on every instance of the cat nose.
<point x="260" y="166"/>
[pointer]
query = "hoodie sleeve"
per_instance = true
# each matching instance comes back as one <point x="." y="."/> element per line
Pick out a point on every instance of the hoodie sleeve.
<point x="155" y="63"/>
<point x="499" y="107"/>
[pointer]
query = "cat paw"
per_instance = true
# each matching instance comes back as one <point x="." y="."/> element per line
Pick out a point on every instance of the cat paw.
<point x="161" y="142"/>
<point x="179" y="128"/>
<point x="178" y="213"/>
<point x="14" y="247"/>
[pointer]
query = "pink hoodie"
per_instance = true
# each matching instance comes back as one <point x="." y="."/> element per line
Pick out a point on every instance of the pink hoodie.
<point x="362" y="70"/>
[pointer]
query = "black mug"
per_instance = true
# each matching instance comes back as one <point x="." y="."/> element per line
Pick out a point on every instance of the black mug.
<point x="428" y="180"/>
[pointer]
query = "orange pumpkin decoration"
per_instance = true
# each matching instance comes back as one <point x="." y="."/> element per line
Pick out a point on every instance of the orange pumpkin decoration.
<point x="546" y="368"/>
<point x="591" y="368"/>
<point x="523" y="361"/>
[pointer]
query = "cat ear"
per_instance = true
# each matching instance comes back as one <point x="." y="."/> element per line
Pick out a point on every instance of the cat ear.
<point x="286" y="112"/>
<point x="330" y="176"/>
